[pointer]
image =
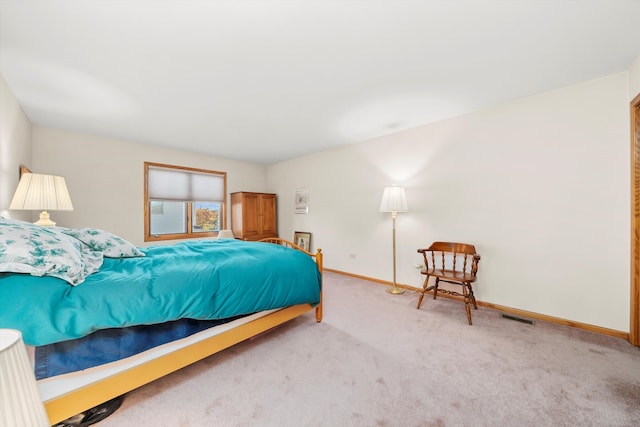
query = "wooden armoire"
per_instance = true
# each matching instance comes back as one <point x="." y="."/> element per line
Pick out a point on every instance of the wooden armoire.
<point x="253" y="215"/>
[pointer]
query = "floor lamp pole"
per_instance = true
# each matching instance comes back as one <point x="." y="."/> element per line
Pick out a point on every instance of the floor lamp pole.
<point x="394" y="289"/>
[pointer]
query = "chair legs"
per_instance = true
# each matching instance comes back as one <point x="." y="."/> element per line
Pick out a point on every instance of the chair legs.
<point x="467" y="294"/>
<point x="420" y="300"/>
<point x="424" y="289"/>
<point x="472" y="296"/>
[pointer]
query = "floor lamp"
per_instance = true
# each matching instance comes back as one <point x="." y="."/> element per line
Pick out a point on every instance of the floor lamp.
<point x="394" y="201"/>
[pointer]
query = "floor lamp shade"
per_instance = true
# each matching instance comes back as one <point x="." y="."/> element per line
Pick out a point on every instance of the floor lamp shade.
<point x="394" y="200"/>
<point x="20" y="401"/>
<point x="43" y="193"/>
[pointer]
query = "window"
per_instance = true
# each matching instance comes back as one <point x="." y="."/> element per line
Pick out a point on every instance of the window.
<point x="183" y="203"/>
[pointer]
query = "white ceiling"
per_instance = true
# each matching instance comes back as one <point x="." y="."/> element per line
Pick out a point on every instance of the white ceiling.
<point x="265" y="81"/>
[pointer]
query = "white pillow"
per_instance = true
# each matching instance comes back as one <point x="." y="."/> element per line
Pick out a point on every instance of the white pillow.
<point x="45" y="251"/>
<point x="108" y="243"/>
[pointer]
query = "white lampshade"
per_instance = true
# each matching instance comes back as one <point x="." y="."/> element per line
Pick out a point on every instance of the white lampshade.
<point x="20" y="401"/>
<point x="394" y="200"/>
<point x="41" y="192"/>
<point x="226" y="234"/>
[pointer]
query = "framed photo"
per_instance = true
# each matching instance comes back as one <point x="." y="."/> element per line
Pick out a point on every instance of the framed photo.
<point x="302" y="200"/>
<point x="302" y="239"/>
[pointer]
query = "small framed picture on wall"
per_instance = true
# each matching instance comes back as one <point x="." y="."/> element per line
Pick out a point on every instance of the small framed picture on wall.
<point x="302" y="239"/>
<point x="302" y="200"/>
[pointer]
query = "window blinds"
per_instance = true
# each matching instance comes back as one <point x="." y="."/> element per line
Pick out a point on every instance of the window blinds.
<point x="180" y="185"/>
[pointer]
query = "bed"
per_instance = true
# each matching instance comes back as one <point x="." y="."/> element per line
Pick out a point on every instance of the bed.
<point x="69" y="291"/>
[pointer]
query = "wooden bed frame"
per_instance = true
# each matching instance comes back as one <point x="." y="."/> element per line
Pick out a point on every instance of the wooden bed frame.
<point x="67" y="405"/>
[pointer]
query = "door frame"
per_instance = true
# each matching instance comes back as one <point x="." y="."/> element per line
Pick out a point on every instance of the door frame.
<point x="634" y="327"/>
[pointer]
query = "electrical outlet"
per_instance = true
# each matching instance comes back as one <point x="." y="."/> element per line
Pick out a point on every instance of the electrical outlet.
<point x="417" y="266"/>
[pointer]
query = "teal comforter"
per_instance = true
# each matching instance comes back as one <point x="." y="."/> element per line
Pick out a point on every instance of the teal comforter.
<point x="205" y="279"/>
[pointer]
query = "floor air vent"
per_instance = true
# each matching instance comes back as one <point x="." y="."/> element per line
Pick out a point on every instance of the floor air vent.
<point x="517" y="319"/>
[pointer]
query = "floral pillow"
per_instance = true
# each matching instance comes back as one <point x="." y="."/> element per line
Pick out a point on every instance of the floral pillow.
<point x="45" y="251"/>
<point x="108" y="243"/>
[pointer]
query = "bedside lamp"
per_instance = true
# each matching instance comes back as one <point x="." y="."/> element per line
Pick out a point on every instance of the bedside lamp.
<point x="20" y="401"/>
<point x="41" y="192"/>
<point x="394" y="201"/>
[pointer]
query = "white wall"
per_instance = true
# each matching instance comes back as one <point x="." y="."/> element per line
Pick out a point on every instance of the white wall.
<point x="634" y="79"/>
<point x="105" y="177"/>
<point x="15" y="148"/>
<point x="540" y="186"/>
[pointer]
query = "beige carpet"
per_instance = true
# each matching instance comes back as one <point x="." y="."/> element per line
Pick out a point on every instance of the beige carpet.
<point x="377" y="361"/>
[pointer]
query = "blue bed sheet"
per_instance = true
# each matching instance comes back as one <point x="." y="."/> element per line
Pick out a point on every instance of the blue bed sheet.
<point x="203" y="280"/>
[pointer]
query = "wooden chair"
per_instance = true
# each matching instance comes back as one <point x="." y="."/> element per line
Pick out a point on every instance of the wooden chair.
<point x="450" y="262"/>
